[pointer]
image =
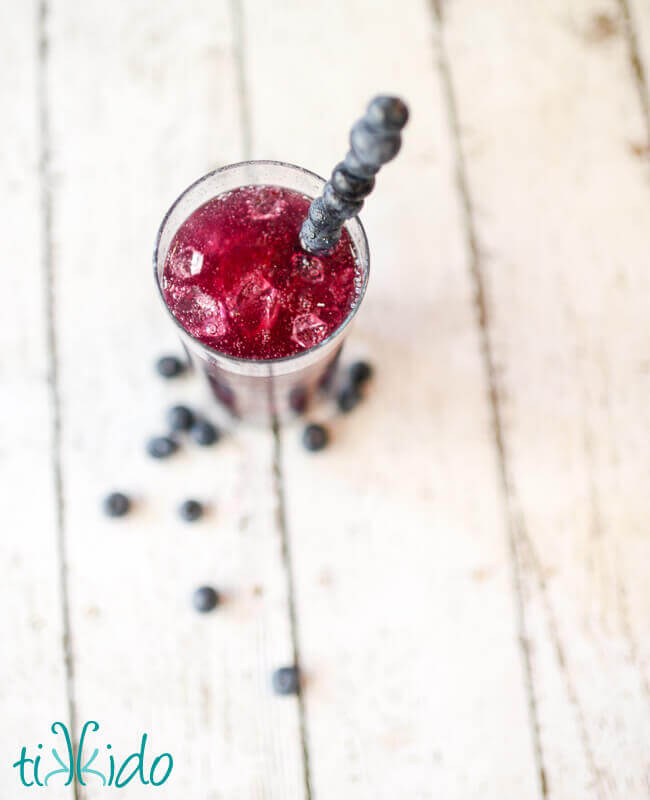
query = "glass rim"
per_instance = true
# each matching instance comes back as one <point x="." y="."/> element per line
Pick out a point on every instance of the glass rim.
<point x="284" y="359"/>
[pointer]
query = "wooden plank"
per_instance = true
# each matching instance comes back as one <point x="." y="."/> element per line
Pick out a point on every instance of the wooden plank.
<point x="32" y="674"/>
<point x="144" y="101"/>
<point x="547" y="111"/>
<point x="407" y="620"/>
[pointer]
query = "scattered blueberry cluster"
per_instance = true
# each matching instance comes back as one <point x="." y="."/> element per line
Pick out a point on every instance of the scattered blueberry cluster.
<point x="374" y="140"/>
<point x="180" y="420"/>
<point x="349" y="395"/>
<point x="316" y="437"/>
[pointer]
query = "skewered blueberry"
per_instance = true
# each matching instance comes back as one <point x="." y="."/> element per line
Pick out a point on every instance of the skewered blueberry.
<point x="349" y="185"/>
<point x="360" y="372"/>
<point x="169" y="366"/>
<point x="354" y="165"/>
<point x="180" y="418"/>
<point x="161" y="447"/>
<point x="318" y="240"/>
<point x="205" y="599"/>
<point x="190" y="510"/>
<point x="286" y="680"/>
<point x="348" y="398"/>
<point x="317" y="212"/>
<point x="372" y="148"/>
<point x="374" y="140"/>
<point x="338" y="206"/>
<point x="204" y="432"/>
<point x="116" y="504"/>
<point x="387" y="112"/>
<point x="315" y="437"/>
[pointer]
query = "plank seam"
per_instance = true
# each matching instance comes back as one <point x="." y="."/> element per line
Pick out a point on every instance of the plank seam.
<point x="641" y="81"/>
<point x="556" y="639"/>
<point x="514" y="533"/>
<point x="278" y="485"/>
<point x="44" y="172"/>
<point x="246" y="128"/>
<point x="636" y="63"/>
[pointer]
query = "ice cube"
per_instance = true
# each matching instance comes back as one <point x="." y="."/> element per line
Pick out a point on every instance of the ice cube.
<point x="270" y="308"/>
<point x="308" y="330"/>
<point x="196" y="264"/>
<point x="215" y="323"/>
<point x="256" y="299"/>
<point x="202" y="312"/>
<point x="179" y="262"/>
<point x="266" y="206"/>
<point x="309" y="267"/>
<point x="212" y="245"/>
<point x="247" y="292"/>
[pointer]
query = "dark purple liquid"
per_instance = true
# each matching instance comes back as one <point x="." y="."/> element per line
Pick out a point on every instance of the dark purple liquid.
<point x="237" y="279"/>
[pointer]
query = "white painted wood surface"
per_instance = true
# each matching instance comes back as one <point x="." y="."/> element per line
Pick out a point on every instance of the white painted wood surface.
<point x="143" y="100"/>
<point x="32" y="672"/>
<point x="460" y="634"/>
<point x="397" y="532"/>
<point x="561" y="207"/>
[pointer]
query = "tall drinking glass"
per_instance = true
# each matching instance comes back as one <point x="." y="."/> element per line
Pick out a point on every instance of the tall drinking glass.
<point x="257" y="390"/>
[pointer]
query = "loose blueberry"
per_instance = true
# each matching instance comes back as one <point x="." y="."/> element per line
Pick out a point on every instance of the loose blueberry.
<point x="298" y="399"/>
<point x="348" y="398"/>
<point x="315" y="437"/>
<point x="161" y="447"/>
<point x="190" y="510"/>
<point x="205" y="599"/>
<point x="116" y="504"/>
<point x="286" y="680"/>
<point x="360" y="372"/>
<point x="169" y="366"/>
<point x="204" y="433"/>
<point x="180" y="418"/>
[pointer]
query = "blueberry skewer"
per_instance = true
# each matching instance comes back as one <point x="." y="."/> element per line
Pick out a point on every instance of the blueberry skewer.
<point x="374" y="140"/>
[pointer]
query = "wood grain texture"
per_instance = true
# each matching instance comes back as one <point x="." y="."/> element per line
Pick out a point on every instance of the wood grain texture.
<point x="32" y="673"/>
<point x="143" y="101"/>
<point x="406" y="615"/>
<point x="469" y="560"/>
<point x="559" y="205"/>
